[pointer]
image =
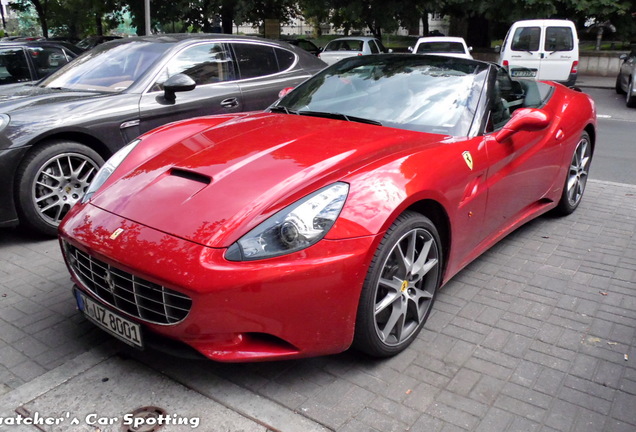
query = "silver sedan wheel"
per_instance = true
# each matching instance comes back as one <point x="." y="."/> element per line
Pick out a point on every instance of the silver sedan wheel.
<point x="61" y="183"/>
<point x="405" y="290"/>
<point x="579" y="168"/>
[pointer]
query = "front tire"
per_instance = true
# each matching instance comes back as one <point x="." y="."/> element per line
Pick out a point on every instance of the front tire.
<point x="576" y="179"/>
<point x="400" y="288"/>
<point x="50" y="180"/>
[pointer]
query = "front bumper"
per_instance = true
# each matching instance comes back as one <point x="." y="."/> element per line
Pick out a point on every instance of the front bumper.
<point x="298" y="305"/>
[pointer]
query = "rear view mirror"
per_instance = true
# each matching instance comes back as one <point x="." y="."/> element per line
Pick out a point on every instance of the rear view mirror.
<point x="177" y="83"/>
<point x="524" y="119"/>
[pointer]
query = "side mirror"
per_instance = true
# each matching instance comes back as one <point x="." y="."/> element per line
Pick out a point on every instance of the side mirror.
<point x="623" y="57"/>
<point x="410" y="49"/>
<point x="284" y="91"/>
<point x="524" y="119"/>
<point x="470" y="49"/>
<point x="177" y="83"/>
<point x="497" y="48"/>
<point x="390" y="50"/>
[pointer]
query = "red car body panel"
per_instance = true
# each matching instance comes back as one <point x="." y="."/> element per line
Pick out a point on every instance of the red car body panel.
<point x="177" y="225"/>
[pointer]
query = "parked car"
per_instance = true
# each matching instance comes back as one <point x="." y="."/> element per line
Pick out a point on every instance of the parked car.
<point x="305" y="44"/>
<point x="56" y="134"/>
<point x="626" y="79"/>
<point x="92" y="41"/>
<point x="443" y="45"/>
<point x="21" y="62"/>
<point x="546" y="49"/>
<point x="345" y="47"/>
<point x="332" y="218"/>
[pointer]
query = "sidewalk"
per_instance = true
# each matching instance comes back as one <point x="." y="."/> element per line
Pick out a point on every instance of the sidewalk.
<point x="596" y="81"/>
<point x="538" y="334"/>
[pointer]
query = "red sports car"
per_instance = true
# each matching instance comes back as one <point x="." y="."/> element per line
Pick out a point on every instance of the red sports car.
<point x="331" y="219"/>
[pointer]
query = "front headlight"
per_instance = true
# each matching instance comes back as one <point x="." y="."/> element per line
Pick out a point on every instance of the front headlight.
<point x="4" y="121"/>
<point x="296" y="227"/>
<point x="107" y="169"/>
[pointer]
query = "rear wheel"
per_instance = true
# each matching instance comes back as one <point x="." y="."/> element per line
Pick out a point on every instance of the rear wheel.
<point x="577" y="176"/>
<point x="50" y="180"/>
<point x="400" y="288"/>
<point x="630" y="99"/>
<point x="619" y="89"/>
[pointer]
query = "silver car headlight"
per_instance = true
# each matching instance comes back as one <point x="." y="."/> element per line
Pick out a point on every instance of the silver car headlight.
<point x="107" y="169"/>
<point x="296" y="227"/>
<point x="4" y="121"/>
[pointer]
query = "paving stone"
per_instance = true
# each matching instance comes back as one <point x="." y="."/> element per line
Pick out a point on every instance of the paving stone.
<point x="529" y="337"/>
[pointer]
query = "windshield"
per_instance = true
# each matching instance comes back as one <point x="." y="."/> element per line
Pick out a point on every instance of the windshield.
<point x="414" y="92"/>
<point x="108" y="68"/>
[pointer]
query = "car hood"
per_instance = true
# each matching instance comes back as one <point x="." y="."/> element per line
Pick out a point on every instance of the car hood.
<point x="214" y="186"/>
<point x="25" y="96"/>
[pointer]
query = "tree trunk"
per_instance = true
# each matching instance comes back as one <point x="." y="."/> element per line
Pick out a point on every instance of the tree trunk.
<point x="478" y="32"/>
<point x="98" y="24"/>
<point x="40" y="10"/>
<point x="227" y="16"/>
<point x="425" y="28"/>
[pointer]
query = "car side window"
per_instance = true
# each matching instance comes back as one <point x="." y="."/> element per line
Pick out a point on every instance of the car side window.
<point x="47" y="59"/>
<point x="500" y="105"/>
<point x="206" y="63"/>
<point x="559" y="39"/>
<point x="526" y="39"/>
<point x="255" y="60"/>
<point x="374" y="48"/>
<point x="14" y="66"/>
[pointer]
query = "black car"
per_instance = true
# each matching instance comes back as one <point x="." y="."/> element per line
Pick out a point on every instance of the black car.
<point x="54" y="135"/>
<point x="90" y="42"/>
<point x="305" y="44"/>
<point x="22" y="62"/>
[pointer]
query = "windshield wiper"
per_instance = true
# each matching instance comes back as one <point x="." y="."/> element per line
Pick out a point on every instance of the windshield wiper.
<point x="339" y="116"/>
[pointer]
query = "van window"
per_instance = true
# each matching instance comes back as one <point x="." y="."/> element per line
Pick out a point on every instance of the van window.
<point x="559" y="39"/>
<point x="526" y="39"/>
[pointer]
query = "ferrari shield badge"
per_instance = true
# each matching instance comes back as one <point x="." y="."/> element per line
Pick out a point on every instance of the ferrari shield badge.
<point x="116" y="233"/>
<point x="468" y="158"/>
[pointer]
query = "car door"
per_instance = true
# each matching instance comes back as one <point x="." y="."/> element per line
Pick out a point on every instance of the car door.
<point x="522" y="168"/>
<point x="628" y="68"/>
<point x="212" y="67"/>
<point x="558" y="53"/>
<point x="525" y="52"/>
<point x="15" y="66"/>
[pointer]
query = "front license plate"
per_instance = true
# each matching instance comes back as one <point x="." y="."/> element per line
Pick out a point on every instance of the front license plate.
<point x="114" y="324"/>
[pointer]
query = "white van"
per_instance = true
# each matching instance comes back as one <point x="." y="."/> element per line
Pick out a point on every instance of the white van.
<point x="543" y="49"/>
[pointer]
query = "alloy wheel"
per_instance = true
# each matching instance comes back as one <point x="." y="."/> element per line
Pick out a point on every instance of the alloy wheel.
<point x="579" y="167"/>
<point x="405" y="290"/>
<point x="61" y="183"/>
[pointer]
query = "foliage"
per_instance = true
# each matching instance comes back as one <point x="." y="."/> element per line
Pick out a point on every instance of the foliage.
<point x="479" y="19"/>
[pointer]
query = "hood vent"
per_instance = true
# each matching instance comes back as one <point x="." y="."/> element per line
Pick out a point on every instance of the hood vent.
<point x="190" y="175"/>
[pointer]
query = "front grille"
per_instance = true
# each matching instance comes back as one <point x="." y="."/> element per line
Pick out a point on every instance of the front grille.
<point x="128" y="293"/>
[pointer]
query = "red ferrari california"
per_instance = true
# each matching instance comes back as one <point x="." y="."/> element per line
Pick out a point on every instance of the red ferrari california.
<point x="330" y="220"/>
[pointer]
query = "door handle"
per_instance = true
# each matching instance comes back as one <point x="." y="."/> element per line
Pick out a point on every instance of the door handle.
<point x="230" y="102"/>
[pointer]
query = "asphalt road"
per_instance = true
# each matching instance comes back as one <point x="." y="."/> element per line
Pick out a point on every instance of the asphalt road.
<point x="615" y="156"/>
